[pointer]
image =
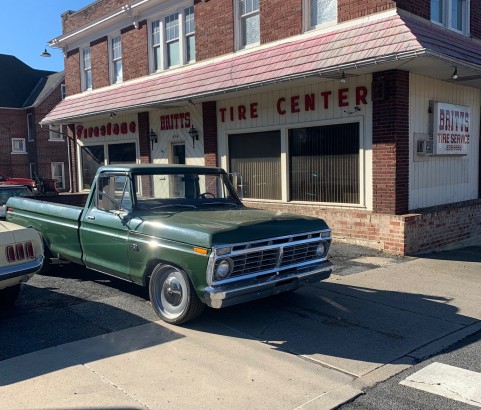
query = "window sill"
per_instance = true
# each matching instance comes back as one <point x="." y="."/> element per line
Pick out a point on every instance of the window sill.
<point x="19" y="153"/>
<point x="55" y="140"/>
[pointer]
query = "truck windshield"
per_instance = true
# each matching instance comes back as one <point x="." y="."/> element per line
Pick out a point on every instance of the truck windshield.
<point x="184" y="189"/>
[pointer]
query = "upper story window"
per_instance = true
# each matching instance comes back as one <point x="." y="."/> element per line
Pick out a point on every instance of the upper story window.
<point x="320" y="12"/>
<point x="172" y="39"/>
<point x="63" y="91"/>
<point x="452" y="14"/>
<point x="248" y="31"/>
<point x="116" y="59"/>
<point x="55" y="132"/>
<point x="86" y="70"/>
<point x="18" y="146"/>
<point x="190" y="34"/>
<point x="30" y="127"/>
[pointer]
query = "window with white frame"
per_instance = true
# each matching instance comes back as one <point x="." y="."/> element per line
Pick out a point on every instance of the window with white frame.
<point x="30" y="127"/>
<point x="63" y="91"/>
<point x="58" y="173"/>
<point x="18" y="146"/>
<point x="172" y="39"/>
<point x="172" y="42"/>
<point x="189" y="24"/>
<point x="452" y="14"/>
<point x="320" y="13"/>
<point x="86" y="70"/>
<point x="116" y="59"/>
<point x="248" y="23"/>
<point x="55" y="132"/>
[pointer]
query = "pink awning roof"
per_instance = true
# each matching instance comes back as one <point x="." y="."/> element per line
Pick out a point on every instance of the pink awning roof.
<point x="393" y="37"/>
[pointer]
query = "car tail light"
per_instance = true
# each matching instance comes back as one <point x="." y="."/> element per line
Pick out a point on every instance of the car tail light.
<point x="10" y="253"/>
<point x="29" y="249"/>
<point x="19" y="252"/>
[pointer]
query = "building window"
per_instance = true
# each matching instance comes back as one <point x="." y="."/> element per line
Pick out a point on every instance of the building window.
<point x="63" y="91"/>
<point x="30" y="127"/>
<point x="172" y="39"/>
<point x="320" y="13"/>
<point x="324" y="164"/>
<point x="86" y="70"/>
<point x="257" y="157"/>
<point x="18" y="146"/>
<point x="248" y="31"/>
<point x="116" y="55"/>
<point x="157" y="45"/>
<point x="453" y="14"/>
<point x="58" y="173"/>
<point x="55" y="132"/>
<point x="189" y="34"/>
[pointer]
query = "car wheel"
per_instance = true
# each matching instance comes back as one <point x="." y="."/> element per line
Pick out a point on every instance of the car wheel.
<point x="172" y="295"/>
<point x="9" y="295"/>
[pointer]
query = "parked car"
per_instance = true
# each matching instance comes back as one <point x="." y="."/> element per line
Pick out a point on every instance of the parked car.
<point x="21" y="256"/>
<point x="7" y="191"/>
<point x="6" y="180"/>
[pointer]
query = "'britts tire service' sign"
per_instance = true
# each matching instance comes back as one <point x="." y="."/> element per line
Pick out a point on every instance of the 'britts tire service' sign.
<point x="451" y="129"/>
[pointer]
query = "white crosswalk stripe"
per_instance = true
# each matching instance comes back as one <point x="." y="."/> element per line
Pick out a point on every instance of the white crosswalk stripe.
<point x="448" y="381"/>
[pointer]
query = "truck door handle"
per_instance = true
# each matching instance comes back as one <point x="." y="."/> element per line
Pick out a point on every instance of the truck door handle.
<point x="91" y="217"/>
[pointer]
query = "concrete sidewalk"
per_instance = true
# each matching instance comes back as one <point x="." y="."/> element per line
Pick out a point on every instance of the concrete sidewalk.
<point x="311" y="349"/>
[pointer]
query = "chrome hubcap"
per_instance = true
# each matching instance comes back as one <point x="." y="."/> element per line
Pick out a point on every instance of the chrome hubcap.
<point x="172" y="291"/>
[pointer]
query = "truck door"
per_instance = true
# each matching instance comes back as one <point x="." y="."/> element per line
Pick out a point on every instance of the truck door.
<point x="104" y="230"/>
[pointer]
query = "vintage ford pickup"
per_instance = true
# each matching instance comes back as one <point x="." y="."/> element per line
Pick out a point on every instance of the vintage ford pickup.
<point x="183" y="232"/>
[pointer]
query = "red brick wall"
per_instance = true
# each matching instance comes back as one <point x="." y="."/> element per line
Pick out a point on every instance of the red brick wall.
<point x="446" y="227"/>
<point x="280" y="19"/>
<point x="144" y="142"/>
<point x="72" y="20"/>
<point x="390" y="141"/>
<point x="209" y="119"/>
<point x="353" y="9"/>
<point x="13" y="124"/>
<point x="135" y="61"/>
<point x="99" y="57"/>
<point x="214" y="28"/>
<point x="72" y="72"/>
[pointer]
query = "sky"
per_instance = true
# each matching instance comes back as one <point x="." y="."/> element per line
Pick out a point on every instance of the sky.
<point x="28" y="25"/>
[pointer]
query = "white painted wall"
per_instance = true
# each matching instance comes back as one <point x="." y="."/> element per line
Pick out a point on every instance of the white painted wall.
<point x="269" y="119"/>
<point x="437" y="180"/>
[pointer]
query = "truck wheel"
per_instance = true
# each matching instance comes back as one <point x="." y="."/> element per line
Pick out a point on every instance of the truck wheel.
<point x="9" y="295"/>
<point x="173" y="296"/>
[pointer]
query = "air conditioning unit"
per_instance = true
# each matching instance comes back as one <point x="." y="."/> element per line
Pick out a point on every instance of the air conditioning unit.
<point x="425" y="147"/>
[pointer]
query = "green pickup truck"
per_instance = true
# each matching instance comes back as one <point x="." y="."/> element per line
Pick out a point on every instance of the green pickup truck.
<point x="183" y="232"/>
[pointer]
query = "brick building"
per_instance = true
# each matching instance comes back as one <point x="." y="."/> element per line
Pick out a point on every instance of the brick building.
<point x="26" y="148"/>
<point x="364" y="113"/>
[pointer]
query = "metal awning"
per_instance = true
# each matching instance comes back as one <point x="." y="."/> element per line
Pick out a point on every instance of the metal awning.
<point x="396" y="41"/>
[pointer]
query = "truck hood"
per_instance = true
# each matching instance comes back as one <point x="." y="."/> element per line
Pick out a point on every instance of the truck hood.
<point x="217" y="227"/>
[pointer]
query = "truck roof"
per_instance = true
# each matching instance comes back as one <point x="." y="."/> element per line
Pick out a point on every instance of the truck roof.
<point x="150" y="168"/>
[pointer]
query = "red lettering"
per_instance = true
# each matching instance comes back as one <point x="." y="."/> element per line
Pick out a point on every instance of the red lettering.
<point x="342" y="94"/>
<point x="187" y="120"/>
<point x="325" y="95"/>
<point x="79" y="131"/>
<point x="91" y="131"/>
<point x="361" y="94"/>
<point x="231" y="112"/>
<point x="182" y="116"/>
<point x="103" y="131"/>
<point x="295" y="104"/>
<point x="86" y="133"/>
<point x="123" y="128"/>
<point x="96" y="131"/>
<point x="281" y="110"/>
<point x="222" y="114"/>
<point x="132" y="126"/>
<point x="116" y="129"/>
<point x="176" y="117"/>
<point x="254" y="110"/>
<point x="310" y="102"/>
<point x="241" y="110"/>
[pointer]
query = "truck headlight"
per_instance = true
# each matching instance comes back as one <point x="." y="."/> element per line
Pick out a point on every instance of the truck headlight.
<point x="223" y="269"/>
<point x="321" y="250"/>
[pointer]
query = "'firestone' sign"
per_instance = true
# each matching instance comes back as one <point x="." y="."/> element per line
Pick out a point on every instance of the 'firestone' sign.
<point x="451" y="129"/>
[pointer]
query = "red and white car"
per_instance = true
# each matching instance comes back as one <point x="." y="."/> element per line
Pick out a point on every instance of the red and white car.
<point x="21" y="256"/>
<point x="6" y="180"/>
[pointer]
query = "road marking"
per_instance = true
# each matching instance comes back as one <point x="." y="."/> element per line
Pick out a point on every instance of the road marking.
<point x="448" y="381"/>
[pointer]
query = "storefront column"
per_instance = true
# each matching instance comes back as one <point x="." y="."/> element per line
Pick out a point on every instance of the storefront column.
<point x="209" y="118"/>
<point x="144" y="142"/>
<point x="390" y="141"/>
<point x="73" y="178"/>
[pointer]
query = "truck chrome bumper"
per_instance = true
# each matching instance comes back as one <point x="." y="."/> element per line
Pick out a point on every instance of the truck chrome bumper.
<point x="244" y="291"/>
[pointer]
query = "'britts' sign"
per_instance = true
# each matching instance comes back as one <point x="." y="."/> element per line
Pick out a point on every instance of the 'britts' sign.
<point x="451" y="129"/>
